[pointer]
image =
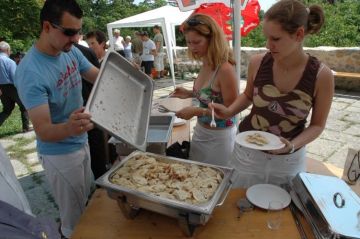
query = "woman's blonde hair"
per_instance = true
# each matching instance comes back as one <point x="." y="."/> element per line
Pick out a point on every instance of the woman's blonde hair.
<point x="218" y="49"/>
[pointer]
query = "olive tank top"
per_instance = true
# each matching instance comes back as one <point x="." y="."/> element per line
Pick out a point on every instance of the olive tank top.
<point x="282" y="114"/>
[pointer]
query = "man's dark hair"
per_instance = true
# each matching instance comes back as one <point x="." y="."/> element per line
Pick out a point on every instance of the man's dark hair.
<point x="99" y="35"/>
<point x="157" y="27"/>
<point x="53" y="10"/>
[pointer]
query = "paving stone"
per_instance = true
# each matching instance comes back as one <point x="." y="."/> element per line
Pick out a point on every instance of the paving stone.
<point x="353" y="109"/>
<point x="316" y="157"/>
<point x="352" y="117"/>
<point x="323" y="147"/>
<point x="337" y="125"/>
<point x="32" y="145"/>
<point x="6" y="143"/>
<point x="339" y="105"/>
<point x="32" y="158"/>
<point x="335" y="114"/>
<point x="19" y="168"/>
<point x="28" y="135"/>
<point x="356" y="104"/>
<point x="354" y="129"/>
<point x="339" y="157"/>
<point x="37" y="168"/>
<point x="42" y="203"/>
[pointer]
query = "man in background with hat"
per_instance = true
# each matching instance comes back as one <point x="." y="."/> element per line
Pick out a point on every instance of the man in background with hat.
<point x="149" y="51"/>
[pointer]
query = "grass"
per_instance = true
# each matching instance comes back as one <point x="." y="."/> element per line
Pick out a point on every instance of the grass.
<point x="18" y="150"/>
<point x="12" y="125"/>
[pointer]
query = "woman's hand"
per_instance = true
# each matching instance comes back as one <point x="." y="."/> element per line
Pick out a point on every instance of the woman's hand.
<point x="186" y="113"/>
<point x="284" y="150"/>
<point x="221" y="111"/>
<point x="181" y="92"/>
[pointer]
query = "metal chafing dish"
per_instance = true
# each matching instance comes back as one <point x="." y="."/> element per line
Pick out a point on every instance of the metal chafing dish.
<point x="189" y="215"/>
<point x="159" y="133"/>
<point x="329" y="205"/>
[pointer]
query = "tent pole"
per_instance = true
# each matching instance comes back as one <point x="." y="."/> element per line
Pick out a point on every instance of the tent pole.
<point x="237" y="37"/>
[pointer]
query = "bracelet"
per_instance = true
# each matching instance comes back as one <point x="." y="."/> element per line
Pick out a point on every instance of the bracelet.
<point x="292" y="150"/>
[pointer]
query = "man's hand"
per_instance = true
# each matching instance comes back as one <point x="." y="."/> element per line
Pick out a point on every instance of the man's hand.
<point x="79" y="122"/>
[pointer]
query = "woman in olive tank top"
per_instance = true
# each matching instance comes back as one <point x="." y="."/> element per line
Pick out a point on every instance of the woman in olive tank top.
<point x="283" y="86"/>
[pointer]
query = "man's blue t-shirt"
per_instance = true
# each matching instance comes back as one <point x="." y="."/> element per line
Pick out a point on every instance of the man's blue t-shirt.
<point x="54" y="80"/>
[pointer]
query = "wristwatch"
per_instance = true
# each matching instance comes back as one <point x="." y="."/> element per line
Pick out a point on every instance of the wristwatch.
<point x="292" y="150"/>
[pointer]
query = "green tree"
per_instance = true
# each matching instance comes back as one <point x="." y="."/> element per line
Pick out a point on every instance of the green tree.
<point x="341" y="28"/>
<point x="19" y="22"/>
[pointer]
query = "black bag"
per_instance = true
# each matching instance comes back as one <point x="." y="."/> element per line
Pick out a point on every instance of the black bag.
<point x="179" y="150"/>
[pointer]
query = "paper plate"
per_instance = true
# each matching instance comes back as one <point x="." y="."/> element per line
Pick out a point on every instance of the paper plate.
<point x="179" y="121"/>
<point x="274" y="141"/>
<point x="261" y="194"/>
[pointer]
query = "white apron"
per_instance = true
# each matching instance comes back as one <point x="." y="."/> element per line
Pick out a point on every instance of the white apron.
<point x="255" y="166"/>
<point x="212" y="146"/>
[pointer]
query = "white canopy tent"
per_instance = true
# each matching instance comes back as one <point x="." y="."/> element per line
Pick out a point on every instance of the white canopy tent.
<point x="167" y="17"/>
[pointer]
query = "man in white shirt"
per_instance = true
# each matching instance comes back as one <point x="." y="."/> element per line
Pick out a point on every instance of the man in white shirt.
<point x="118" y="42"/>
<point x="149" y="51"/>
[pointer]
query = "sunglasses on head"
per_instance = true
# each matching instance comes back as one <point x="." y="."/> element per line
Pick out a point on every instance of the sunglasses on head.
<point x="66" y="31"/>
<point x="192" y="22"/>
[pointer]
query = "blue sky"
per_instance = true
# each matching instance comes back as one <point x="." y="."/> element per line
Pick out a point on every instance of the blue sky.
<point x="265" y="4"/>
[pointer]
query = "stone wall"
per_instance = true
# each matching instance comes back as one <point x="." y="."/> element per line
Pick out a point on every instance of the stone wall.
<point x="346" y="59"/>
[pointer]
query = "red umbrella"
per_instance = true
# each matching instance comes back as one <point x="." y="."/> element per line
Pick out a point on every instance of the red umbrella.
<point x="221" y="13"/>
<point x="250" y="16"/>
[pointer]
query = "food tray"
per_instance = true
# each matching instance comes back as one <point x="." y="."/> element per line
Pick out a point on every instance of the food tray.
<point x="120" y="101"/>
<point x="164" y="205"/>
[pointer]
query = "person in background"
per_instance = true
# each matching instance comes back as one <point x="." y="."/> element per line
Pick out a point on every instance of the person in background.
<point x="82" y="41"/>
<point x="97" y="42"/>
<point x="102" y="153"/>
<point x="48" y="80"/>
<point x="283" y="86"/>
<point x="137" y="47"/>
<point x="127" y="48"/>
<point x="96" y="137"/>
<point x="16" y="217"/>
<point x="148" y="53"/>
<point x="159" y="57"/>
<point x="9" y="94"/>
<point x="216" y="82"/>
<point x="118" y="42"/>
<point x="17" y="57"/>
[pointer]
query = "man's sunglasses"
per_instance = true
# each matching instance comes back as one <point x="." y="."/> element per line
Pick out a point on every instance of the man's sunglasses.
<point x="66" y="31"/>
<point x="192" y="22"/>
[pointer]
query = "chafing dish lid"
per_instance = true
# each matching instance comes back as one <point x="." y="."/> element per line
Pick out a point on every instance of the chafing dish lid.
<point x="120" y="101"/>
<point x="336" y="201"/>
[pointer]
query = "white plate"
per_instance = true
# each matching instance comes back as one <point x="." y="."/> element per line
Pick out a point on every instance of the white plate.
<point x="274" y="141"/>
<point x="261" y="194"/>
<point x="178" y="121"/>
